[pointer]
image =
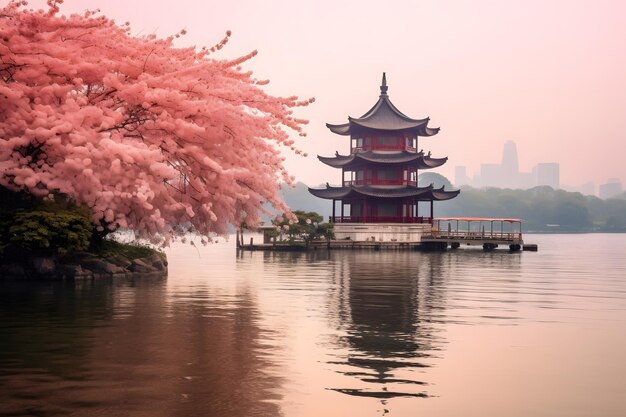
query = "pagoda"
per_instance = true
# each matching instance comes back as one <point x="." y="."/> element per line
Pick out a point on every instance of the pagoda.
<point x="379" y="176"/>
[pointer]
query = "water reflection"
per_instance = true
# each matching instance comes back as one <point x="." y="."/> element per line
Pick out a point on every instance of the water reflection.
<point x="335" y="333"/>
<point x="125" y="348"/>
<point x="386" y="304"/>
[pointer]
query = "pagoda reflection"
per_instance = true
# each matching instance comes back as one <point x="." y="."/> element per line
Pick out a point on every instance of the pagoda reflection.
<point x="387" y="307"/>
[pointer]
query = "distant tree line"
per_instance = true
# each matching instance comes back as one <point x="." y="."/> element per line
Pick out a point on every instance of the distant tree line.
<point x="542" y="209"/>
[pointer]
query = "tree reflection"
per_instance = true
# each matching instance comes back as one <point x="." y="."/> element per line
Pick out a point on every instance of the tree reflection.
<point x="137" y="349"/>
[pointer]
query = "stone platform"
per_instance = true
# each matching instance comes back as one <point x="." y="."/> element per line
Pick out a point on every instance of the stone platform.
<point x="381" y="232"/>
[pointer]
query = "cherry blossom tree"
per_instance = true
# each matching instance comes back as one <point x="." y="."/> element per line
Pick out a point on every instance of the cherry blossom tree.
<point x="154" y="138"/>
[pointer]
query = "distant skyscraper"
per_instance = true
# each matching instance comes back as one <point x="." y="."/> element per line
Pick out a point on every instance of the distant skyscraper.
<point x="547" y="173"/>
<point x="510" y="164"/>
<point x="507" y="174"/>
<point x="612" y="188"/>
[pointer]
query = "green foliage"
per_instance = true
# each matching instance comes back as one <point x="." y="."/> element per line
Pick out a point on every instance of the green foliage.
<point x="46" y="231"/>
<point x="131" y="251"/>
<point x="307" y="228"/>
<point x="541" y="208"/>
<point x="437" y="180"/>
<point x="29" y="224"/>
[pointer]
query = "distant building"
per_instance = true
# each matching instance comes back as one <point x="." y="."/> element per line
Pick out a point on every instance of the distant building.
<point x="509" y="169"/>
<point x="525" y="180"/>
<point x="460" y="176"/>
<point x="503" y="175"/>
<point x="508" y="175"/>
<point x="490" y="175"/>
<point x="587" y="188"/>
<point x="547" y="173"/>
<point x="612" y="188"/>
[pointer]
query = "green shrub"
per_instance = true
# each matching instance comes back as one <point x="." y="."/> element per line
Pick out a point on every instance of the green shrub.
<point x="132" y="250"/>
<point x="49" y="231"/>
<point x="309" y="227"/>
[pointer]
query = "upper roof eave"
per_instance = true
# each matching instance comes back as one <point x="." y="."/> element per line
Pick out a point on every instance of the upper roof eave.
<point x="420" y="160"/>
<point x="342" y="129"/>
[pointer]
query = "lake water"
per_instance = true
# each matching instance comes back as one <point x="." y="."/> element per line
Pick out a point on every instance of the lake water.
<point x="461" y="333"/>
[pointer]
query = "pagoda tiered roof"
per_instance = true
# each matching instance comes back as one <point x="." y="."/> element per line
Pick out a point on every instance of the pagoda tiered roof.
<point x="384" y="116"/>
<point x="418" y="160"/>
<point x="419" y="193"/>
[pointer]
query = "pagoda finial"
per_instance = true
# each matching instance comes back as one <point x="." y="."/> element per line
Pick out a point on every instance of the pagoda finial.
<point x="383" y="87"/>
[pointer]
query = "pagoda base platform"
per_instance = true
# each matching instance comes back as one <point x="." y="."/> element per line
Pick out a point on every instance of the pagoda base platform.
<point x="381" y="232"/>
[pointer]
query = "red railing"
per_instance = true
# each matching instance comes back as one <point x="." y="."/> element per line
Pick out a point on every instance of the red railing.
<point x="377" y="147"/>
<point x="376" y="181"/>
<point x="474" y="235"/>
<point x="381" y="219"/>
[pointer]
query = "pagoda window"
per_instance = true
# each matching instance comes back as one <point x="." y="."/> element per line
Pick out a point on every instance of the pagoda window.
<point x="388" y="142"/>
<point x="348" y="177"/>
<point x="411" y="142"/>
<point x="389" y="174"/>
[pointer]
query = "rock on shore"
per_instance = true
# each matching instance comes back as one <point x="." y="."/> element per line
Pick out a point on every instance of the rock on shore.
<point x="84" y="266"/>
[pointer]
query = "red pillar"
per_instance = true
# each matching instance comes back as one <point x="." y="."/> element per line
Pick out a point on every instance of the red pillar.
<point x="431" y="211"/>
<point x="363" y="219"/>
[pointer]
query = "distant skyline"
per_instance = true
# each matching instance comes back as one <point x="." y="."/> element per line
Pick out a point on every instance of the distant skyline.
<point x="547" y="75"/>
<point x="506" y="174"/>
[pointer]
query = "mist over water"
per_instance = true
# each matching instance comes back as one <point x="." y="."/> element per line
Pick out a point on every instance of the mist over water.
<point x="340" y="333"/>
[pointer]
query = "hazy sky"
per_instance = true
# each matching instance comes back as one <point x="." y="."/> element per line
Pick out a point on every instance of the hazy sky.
<point x="549" y="75"/>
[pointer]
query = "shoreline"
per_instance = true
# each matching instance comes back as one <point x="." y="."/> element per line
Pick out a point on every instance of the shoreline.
<point x="82" y="265"/>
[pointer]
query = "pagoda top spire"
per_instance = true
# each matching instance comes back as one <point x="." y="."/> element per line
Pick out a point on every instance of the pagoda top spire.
<point x="384" y="116"/>
<point x="383" y="86"/>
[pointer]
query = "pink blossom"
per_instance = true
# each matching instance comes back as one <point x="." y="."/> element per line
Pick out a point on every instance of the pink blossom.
<point x="148" y="136"/>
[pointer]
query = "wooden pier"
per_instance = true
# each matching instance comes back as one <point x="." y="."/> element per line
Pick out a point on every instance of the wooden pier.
<point x="488" y="241"/>
<point x="453" y="233"/>
<point x="332" y="245"/>
<point x="490" y="233"/>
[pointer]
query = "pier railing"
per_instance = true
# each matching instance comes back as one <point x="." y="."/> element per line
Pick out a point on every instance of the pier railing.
<point x="477" y="228"/>
<point x="474" y="235"/>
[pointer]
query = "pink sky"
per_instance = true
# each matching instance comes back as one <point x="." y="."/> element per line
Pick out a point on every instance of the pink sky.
<point x="549" y="75"/>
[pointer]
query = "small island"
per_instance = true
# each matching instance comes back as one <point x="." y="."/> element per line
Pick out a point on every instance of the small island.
<point x="114" y="131"/>
<point x="56" y="240"/>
